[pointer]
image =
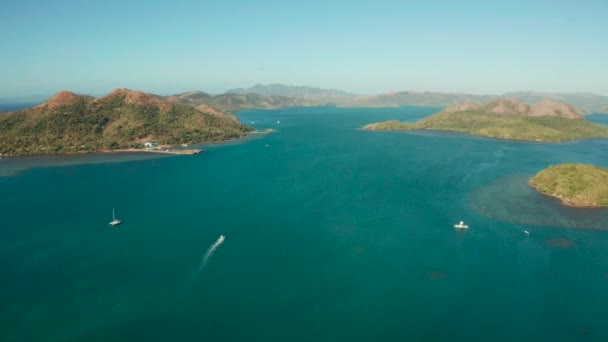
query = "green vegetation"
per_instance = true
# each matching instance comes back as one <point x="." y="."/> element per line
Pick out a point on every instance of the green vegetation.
<point x="580" y="185"/>
<point x="112" y="122"/>
<point x="492" y="125"/>
<point x="232" y="103"/>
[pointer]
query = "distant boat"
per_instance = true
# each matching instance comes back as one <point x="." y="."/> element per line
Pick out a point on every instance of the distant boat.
<point x="278" y="121"/>
<point x="526" y="232"/>
<point x="461" y="225"/>
<point x="115" y="221"/>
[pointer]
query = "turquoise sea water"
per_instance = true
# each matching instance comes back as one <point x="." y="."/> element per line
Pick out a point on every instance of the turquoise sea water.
<point x="331" y="234"/>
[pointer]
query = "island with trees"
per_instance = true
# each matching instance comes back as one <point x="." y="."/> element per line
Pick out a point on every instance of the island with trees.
<point x="577" y="185"/>
<point x="545" y="121"/>
<point x="123" y="119"/>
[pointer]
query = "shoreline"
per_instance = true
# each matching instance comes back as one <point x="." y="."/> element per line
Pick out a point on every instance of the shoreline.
<point x="162" y="149"/>
<point x="159" y="151"/>
<point x="563" y="200"/>
<point x="469" y="134"/>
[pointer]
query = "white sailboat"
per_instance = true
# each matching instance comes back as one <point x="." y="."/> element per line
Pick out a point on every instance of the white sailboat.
<point x="461" y="225"/>
<point x="115" y="221"/>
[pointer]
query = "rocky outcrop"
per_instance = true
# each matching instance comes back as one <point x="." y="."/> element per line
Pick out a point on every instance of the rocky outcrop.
<point x="516" y="107"/>
<point x="551" y="108"/>
<point x="507" y="107"/>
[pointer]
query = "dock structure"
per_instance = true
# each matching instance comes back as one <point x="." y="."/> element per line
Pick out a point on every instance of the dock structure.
<point x="186" y="151"/>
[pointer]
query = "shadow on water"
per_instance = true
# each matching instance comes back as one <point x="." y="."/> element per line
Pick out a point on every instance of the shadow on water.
<point x="511" y="199"/>
<point x="15" y="165"/>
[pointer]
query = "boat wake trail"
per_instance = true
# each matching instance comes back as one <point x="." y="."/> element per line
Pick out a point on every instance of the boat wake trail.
<point x="204" y="261"/>
<point x="209" y="253"/>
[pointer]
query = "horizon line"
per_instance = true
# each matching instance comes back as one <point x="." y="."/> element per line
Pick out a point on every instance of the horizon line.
<point x="95" y="94"/>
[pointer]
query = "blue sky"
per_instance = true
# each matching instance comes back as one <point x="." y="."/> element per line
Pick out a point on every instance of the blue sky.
<point x="361" y="46"/>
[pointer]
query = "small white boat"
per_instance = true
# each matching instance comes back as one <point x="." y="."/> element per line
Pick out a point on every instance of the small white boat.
<point x="526" y="232"/>
<point x="278" y="122"/>
<point x="115" y="221"/>
<point x="461" y="225"/>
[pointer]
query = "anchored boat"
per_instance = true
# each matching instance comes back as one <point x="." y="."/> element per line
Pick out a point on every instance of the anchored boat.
<point x="115" y="221"/>
<point x="461" y="225"/>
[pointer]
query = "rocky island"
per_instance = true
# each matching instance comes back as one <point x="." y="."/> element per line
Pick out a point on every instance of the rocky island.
<point x="122" y="120"/>
<point x="546" y="121"/>
<point x="577" y="185"/>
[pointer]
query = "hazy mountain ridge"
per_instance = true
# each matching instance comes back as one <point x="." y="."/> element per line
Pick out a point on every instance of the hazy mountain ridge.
<point x="586" y="103"/>
<point x="274" y="96"/>
<point x="292" y="91"/>
<point x="412" y="98"/>
<point x="232" y="103"/>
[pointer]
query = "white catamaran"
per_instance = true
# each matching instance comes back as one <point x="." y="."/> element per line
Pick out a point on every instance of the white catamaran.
<point x="115" y="221"/>
<point x="461" y="225"/>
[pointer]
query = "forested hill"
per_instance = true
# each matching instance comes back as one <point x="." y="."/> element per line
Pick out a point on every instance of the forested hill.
<point x="506" y="119"/>
<point x="71" y="123"/>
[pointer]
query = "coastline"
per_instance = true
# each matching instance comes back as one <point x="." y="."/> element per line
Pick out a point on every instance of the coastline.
<point x="162" y="149"/>
<point x="169" y="149"/>
<point x="470" y="134"/>
<point x="563" y="200"/>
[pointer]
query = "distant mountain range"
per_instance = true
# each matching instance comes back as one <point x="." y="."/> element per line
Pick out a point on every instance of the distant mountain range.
<point x="232" y="103"/>
<point x="273" y="96"/>
<point x="293" y="91"/>
<point x="586" y="103"/>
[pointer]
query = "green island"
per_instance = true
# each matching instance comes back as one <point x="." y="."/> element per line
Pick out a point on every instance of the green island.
<point x="577" y="185"/>
<point x="122" y="120"/>
<point x="545" y="121"/>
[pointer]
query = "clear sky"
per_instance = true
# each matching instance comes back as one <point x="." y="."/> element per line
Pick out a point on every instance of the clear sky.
<point x="361" y="46"/>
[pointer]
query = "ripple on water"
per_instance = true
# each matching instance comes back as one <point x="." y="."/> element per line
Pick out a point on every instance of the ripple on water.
<point x="560" y="243"/>
<point x="511" y="199"/>
<point x="435" y="275"/>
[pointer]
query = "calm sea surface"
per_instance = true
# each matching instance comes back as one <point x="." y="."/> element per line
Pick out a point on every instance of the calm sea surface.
<point x="331" y="234"/>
